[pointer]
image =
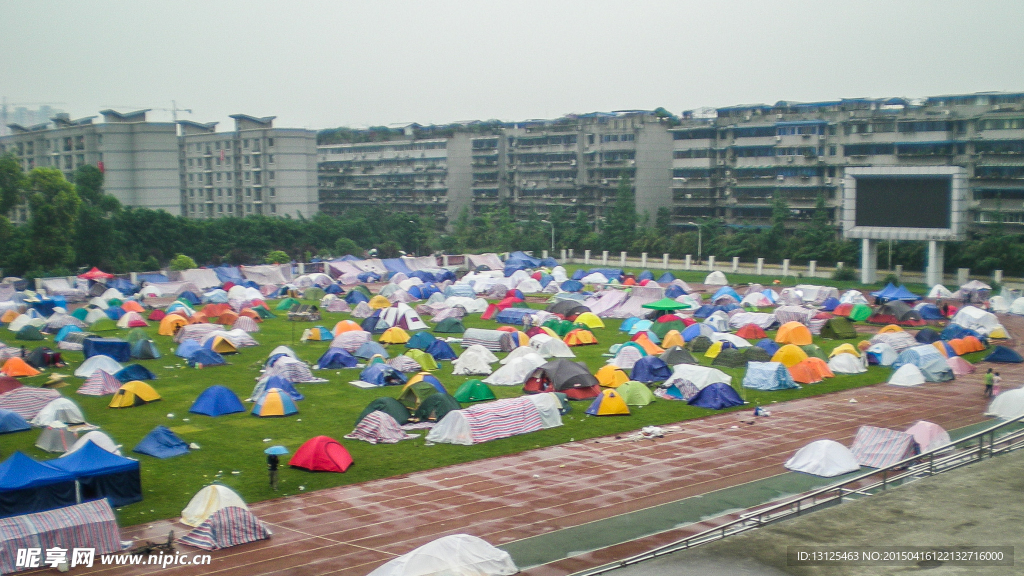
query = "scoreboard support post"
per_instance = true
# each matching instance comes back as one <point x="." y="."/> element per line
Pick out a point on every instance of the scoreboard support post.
<point x="936" y="259"/>
<point x="868" y="261"/>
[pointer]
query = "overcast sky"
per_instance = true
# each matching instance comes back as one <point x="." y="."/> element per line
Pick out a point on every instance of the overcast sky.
<point x="324" y="64"/>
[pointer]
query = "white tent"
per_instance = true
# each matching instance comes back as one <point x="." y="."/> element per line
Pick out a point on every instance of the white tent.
<point x="472" y="305"/>
<point x="128" y="318"/>
<point x="474" y="360"/>
<point x="455" y="555"/>
<point x="1008" y="405"/>
<point x="626" y="357"/>
<point x="976" y="319"/>
<point x="1017" y="306"/>
<point x="716" y="278"/>
<point x="550" y="347"/>
<point x="515" y="373"/>
<point x="907" y="375"/>
<point x="529" y="286"/>
<point x="558" y="273"/>
<point x="112" y="293"/>
<point x="699" y="376"/>
<point x="94" y="316"/>
<point x="732" y="338"/>
<point x="98" y="362"/>
<point x="59" y="410"/>
<point x="99" y="302"/>
<point x="98" y="438"/>
<point x="846" y="363"/>
<point x="718" y="320"/>
<point x="853" y="297"/>
<point x="26" y="320"/>
<point x="595" y="278"/>
<point x="999" y="304"/>
<point x="826" y="458"/>
<point x="517" y="354"/>
<point x="929" y="436"/>
<point x="939" y="291"/>
<point x="756" y="299"/>
<point x="404" y="316"/>
<point x="209" y="500"/>
<point x="886" y="353"/>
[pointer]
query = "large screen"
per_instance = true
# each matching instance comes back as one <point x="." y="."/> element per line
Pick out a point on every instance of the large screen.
<point x="904" y="202"/>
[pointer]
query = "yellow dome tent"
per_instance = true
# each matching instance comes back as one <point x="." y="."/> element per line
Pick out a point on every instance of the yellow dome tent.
<point x="590" y="320"/>
<point x="609" y="403"/>
<point x="845" y="349"/>
<point x="611" y="376"/>
<point x="394" y="335"/>
<point x="793" y="333"/>
<point x="673" y="338"/>
<point x="134" y="393"/>
<point x="170" y="324"/>
<point x="378" y="302"/>
<point x="789" y="355"/>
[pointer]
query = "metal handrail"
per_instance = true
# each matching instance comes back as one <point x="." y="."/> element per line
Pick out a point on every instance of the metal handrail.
<point x="927" y="463"/>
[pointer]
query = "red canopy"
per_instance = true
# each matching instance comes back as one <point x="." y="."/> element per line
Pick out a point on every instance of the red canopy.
<point x="95" y="274"/>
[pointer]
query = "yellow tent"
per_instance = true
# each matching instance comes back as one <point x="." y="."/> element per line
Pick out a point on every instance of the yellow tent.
<point x="580" y="337"/>
<point x="998" y="332"/>
<point x="9" y="316"/>
<point x="673" y="338"/>
<point x="845" y="349"/>
<point x="609" y="403"/>
<point x="394" y="335"/>
<point x="941" y="347"/>
<point x="890" y="328"/>
<point x="790" y="355"/>
<point x="550" y="332"/>
<point x="521" y="337"/>
<point x="425" y="360"/>
<point x="222" y="345"/>
<point x="793" y="333"/>
<point x="134" y="393"/>
<point x="378" y="302"/>
<point x="590" y="320"/>
<point x="714" y="350"/>
<point x="611" y="376"/>
<point x="170" y="324"/>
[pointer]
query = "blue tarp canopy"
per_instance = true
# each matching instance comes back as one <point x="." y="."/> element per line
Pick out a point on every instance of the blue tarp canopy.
<point x="512" y="315"/>
<point x="123" y="285"/>
<point x="891" y="292"/>
<point x="116" y="348"/>
<point x="217" y="400"/>
<point x="29" y="486"/>
<point x="152" y="278"/>
<point x="396" y="265"/>
<point x="229" y="274"/>
<point x="716" y="397"/>
<point x="101" y="474"/>
<point x="161" y="443"/>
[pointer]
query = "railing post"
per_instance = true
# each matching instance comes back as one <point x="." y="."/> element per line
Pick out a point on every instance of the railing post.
<point x="664" y="261"/>
<point x="643" y="259"/>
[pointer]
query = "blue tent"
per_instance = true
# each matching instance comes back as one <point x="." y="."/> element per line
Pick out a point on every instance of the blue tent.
<point x="440" y="350"/>
<point x="114" y="313"/>
<point x="373" y="324"/>
<point x="420" y="341"/>
<point x="396" y="265"/>
<point x="284" y="385"/>
<point x="145" y="350"/>
<point x="674" y="291"/>
<point x="161" y="443"/>
<point x="381" y="374"/>
<point x="640" y="326"/>
<point x="371" y="349"/>
<point x="229" y="274"/>
<point x="337" y="358"/>
<point x="545" y="279"/>
<point x="1004" y="354"/>
<point x="463" y="290"/>
<point x="12" y="422"/>
<point x="929" y="312"/>
<point x="28" y="486"/>
<point x="578" y="274"/>
<point x="333" y="289"/>
<point x="206" y="358"/>
<point x="609" y="273"/>
<point x="368" y="277"/>
<point x="190" y="297"/>
<point x="64" y="332"/>
<point x="571" y="286"/>
<point x="830" y="304"/>
<point x="650" y="369"/>
<point x="927" y="336"/>
<point x="726" y="291"/>
<point x="187" y="348"/>
<point x="116" y="348"/>
<point x="954" y="331"/>
<point x="355" y="297"/>
<point x="716" y="397"/>
<point x="768" y="345"/>
<point x="709" y="309"/>
<point x="217" y="400"/>
<point x="768" y="376"/>
<point x="101" y="474"/>
<point x="628" y="323"/>
<point x="666" y="278"/>
<point x="694" y="330"/>
<point x="932" y="364"/>
<point x="123" y="285"/>
<point x="891" y="292"/>
<point x="134" y="372"/>
<point x="645" y="275"/>
<point x="512" y="315"/>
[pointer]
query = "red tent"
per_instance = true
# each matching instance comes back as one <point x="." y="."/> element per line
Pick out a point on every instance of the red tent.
<point x="751" y="332"/>
<point x="95" y="274"/>
<point x="157" y="315"/>
<point x="7" y="384"/>
<point x="321" y="454"/>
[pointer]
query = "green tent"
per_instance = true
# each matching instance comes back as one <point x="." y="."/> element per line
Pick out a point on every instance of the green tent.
<point x="435" y="407"/>
<point x="416" y="393"/>
<point x="756" y="354"/>
<point x="838" y="328"/>
<point x="366" y="291"/>
<point x="136" y="335"/>
<point x="666" y="304"/>
<point x="860" y="312"/>
<point x="29" y="332"/>
<point x="474" y="391"/>
<point x="388" y="405"/>
<point x="81" y="313"/>
<point x="730" y="358"/>
<point x="263" y="312"/>
<point x="635" y="393"/>
<point x="700" y="344"/>
<point x="450" y="326"/>
<point x="424" y="359"/>
<point x="662" y="328"/>
<point x="286" y="304"/>
<point x="560" y="327"/>
<point x="103" y="325"/>
<point x="114" y="302"/>
<point x="313" y="294"/>
<point x="813" y="350"/>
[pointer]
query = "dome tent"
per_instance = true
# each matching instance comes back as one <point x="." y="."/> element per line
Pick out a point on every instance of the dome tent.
<point x="208" y="501"/>
<point x="826" y="458"/>
<point x="455" y="555"/>
<point x="216" y="401"/>
<point x="321" y="454"/>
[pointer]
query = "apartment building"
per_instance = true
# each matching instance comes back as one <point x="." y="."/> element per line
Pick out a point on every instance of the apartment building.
<point x="253" y="169"/>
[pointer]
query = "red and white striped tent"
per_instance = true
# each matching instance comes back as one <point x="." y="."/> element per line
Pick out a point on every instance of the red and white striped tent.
<point x="227" y="527"/>
<point x="379" y="427"/>
<point x="27" y="401"/>
<point x="88" y="525"/>
<point x="100" y="383"/>
<point x="881" y="447"/>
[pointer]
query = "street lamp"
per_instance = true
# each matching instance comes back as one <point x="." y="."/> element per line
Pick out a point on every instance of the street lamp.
<point x="698" y="239"/>
<point x="552" y="236"/>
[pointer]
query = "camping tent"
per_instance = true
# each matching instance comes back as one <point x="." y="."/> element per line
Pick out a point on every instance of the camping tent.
<point x="91" y="526"/>
<point x="161" y="443"/>
<point x="881" y="447"/>
<point x="838" y="328"/>
<point x="101" y="474"/>
<point x="845" y="363"/>
<point x="635" y="393"/>
<point x="716" y="396"/>
<point x="133" y="393"/>
<point x="1008" y="405"/>
<point x="768" y="376"/>
<point x="229" y="526"/>
<point x="650" y="369"/>
<point x="56" y="437"/>
<point x="826" y="458"/>
<point x="474" y="391"/>
<point x="1004" y="354"/>
<point x="793" y="333"/>
<point x="790" y="355"/>
<point x="454" y="555"/>
<point x="932" y="364"/>
<point x="105" y="363"/>
<point x="59" y="410"/>
<point x="321" y="454"/>
<point x="499" y="419"/>
<point x="208" y="501"/>
<point x="611" y="376"/>
<point x="608" y="403"/>
<point x="907" y="375"/>
<point x="571" y="378"/>
<point x="274" y="402"/>
<point x="217" y="400"/>
<point x="10" y="421"/>
<point x="929" y="436"/>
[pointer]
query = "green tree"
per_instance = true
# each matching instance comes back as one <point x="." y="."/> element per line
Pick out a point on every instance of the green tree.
<point x="95" y="230"/>
<point x="54" y="204"/>
<point x="182" y="262"/>
<point x="464" y="230"/>
<point x="663" y="221"/>
<point x="620" y="227"/>
<point x="277" y="257"/>
<point x="12" y="183"/>
<point x="345" y="246"/>
<point x="389" y="249"/>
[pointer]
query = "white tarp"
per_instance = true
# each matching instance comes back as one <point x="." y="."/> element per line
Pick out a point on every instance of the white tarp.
<point x="490" y="260"/>
<point x="202" y="277"/>
<point x="826" y="458"/>
<point x="455" y="555"/>
<point x="1008" y="405"/>
<point x="268" y="274"/>
<point x="699" y="376"/>
<point x="976" y="319"/>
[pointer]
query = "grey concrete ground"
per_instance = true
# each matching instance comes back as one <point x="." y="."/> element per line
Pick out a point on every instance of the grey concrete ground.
<point x="979" y="505"/>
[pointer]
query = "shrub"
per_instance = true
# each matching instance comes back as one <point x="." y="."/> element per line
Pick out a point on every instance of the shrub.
<point x="844" y="274"/>
<point x="182" y="262"/>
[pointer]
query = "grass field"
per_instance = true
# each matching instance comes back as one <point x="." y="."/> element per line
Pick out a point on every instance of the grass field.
<point x="231" y="447"/>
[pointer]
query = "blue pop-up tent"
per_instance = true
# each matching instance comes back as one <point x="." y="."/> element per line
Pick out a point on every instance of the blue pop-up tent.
<point x="134" y="372"/>
<point x="217" y="400"/>
<point x="161" y="443"/>
<point x="28" y="486"/>
<point x="382" y="375"/>
<point x="101" y="474"/>
<point x="1004" y="354"/>
<point x="11" y="421"/>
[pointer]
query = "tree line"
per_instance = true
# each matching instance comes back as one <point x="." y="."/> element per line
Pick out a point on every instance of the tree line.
<point x="75" y="224"/>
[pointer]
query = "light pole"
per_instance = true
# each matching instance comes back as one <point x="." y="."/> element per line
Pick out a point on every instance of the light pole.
<point x="552" y="236"/>
<point x="698" y="239"/>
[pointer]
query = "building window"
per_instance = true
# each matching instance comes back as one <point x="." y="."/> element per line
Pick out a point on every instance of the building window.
<point x="248" y="175"/>
<point x="273" y="208"/>
<point x="67" y="162"/>
<point x="229" y="176"/>
<point x="231" y="208"/>
<point x="99" y="138"/>
<point x="273" y="193"/>
<point x="248" y="207"/>
<point x="270" y="158"/>
<point x="270" y="141"/>
<point x="271" y="176"/>
<point x="248" y="192"/>
<point x="245" y="143"/>
<point x="229" y="192"/>
<point x="247" y="160"/>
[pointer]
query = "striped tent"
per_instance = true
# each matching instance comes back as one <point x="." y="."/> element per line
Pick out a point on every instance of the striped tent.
<point x="27" y="401"/>
<point x="247" y="324"/>
<point x="403" y="363"/>
<point x="100" y="383"/>
<point x="292" y="370"/>
<point x="195" y="332"/>
<point x="227" y="527"/>
<point x="88" y="525"/>
<point x="379" y="428"/>
<point x="493" y="340"/>
<point x="350" y="340"/>
<point x="881" y="447"/>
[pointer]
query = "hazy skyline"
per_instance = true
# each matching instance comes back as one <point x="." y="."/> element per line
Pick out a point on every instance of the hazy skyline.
<point x="326" y="64"/>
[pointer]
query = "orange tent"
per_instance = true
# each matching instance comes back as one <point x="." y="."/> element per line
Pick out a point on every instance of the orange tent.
<point x="199" y="318"/>
<point x="211" y="310"/>
<point x="966" y="345"/>
<point x="793" y="333"/>
<point x="629" y="282"/>
<point x="642" y="340"/>
<point x="9" y="316"/>
<point x="170" y="324"/>
<point x="227" y="317"/>
<point x="818" y="364"/>
<point x="611" y="376"/>
<point x="810" y="371"/>
<point x="132" y="306"/>
<point x="346" y="326"/>
<point x="579" y="337"/>
<point x="250" y="313"/>
<point x="890" y="328"/>
<point x="863" y="345"/>
<point x="16" y="367"/>
<point x="751" y="332"/>
<point x="506" y="329"/>
<point x="672" y="338"/>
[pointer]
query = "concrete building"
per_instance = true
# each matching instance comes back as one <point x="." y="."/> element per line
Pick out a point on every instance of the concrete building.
<point x="254" y="169"/>
<point x="138" y="158"/>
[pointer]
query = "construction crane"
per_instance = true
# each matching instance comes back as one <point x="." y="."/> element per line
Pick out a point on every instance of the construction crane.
<point x="4" y="118"/>
<point x="173" y="109"/>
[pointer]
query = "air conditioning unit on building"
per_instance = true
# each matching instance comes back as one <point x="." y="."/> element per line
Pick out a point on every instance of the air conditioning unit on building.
<point x="790" y="159"/>
<point x="778" y="138"/>
<point x="778" y="116"/>
<point x="828" y="180"/>
<point x="721" y="162"/>
<point x="821" y="136"/>
<point x="780" y="177"/>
